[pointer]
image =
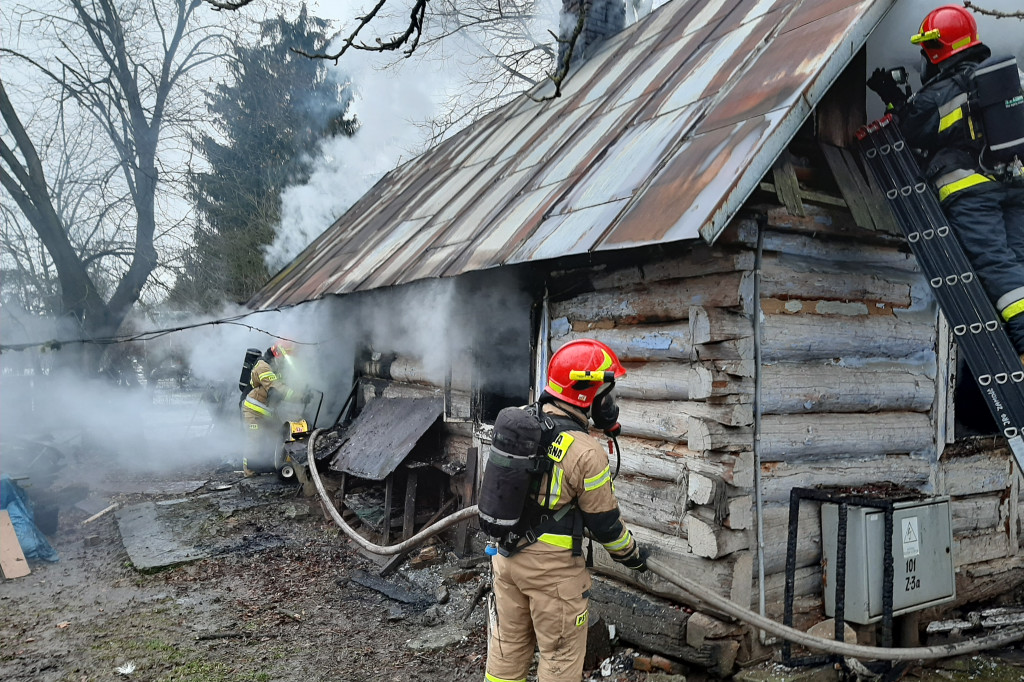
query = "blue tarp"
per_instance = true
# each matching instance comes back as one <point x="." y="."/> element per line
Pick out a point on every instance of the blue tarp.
<point x="33" y="543"/>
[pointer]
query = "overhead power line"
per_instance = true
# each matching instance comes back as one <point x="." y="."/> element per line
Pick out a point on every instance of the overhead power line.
<point x="57" y="344"/>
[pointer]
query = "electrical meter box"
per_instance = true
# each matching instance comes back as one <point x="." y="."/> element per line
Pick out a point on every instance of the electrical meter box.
<point x="922" y="554"/>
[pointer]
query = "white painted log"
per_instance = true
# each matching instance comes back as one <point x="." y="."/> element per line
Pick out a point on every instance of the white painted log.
<point x="656" y="459"/>
<point x="703" y="489"/>
<point x="701" y="627"/>
<point x="735" y="468"/>
<point x="778" y="478"/>
<point x="791" y="437"/>
<point x="976" y="548"/>
<point x="708" y="539"/>
<point x="701" y="261"/>
<point x="703" y="435"/>
<point x="658" y="301"/>
<point x="669" y="419"/>
<point x="789" y="278"/>
<point x="821" y="337"/>
<point x="807" y="583"/>
<point x="732" y="349"/>
<point x="776" y="536"/>
<point x="984" y="472"/>
<point x="867" y="257"/>
<point x="665" y="381"/>
<point x="637" y="343"/>
<point x="794" y="388"/>
<point x="978" y="513"/>
<point x="651" y="503"/>
<point x="728" y="577"/>
<point x="709" y="325"/>
<point x="741" y="512"/>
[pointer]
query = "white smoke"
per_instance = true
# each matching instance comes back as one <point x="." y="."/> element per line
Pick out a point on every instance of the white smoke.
<point x="391" y="107"/>
<point x="889" y="45"/>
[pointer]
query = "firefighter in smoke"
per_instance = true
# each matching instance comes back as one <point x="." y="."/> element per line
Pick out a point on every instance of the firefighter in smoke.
<point x="977" y="174"/>
<point x="540" y="581"/>
<point x="269" y="390"/>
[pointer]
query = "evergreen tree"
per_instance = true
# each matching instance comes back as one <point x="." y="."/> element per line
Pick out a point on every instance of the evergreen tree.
<point x="268" y="118"/>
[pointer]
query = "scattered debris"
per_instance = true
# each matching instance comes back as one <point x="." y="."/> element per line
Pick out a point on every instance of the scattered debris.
<point x="12" y="559"/>
<point x="406" y="595"/>
<point x="63" y="624"/>
<point x="101" y="513"/>
<point x="126" y="669"/>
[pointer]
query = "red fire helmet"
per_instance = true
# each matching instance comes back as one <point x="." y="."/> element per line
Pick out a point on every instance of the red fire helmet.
<point x="579" y="369"/>
<point x="946" y="31"/>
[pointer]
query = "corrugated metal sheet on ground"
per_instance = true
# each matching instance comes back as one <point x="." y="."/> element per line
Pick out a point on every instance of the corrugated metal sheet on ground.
<point x="384" y="434"/>
<point x="659" y="137"/>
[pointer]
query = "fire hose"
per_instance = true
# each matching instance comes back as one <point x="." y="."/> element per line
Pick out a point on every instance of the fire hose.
<point x="695" y="592"/>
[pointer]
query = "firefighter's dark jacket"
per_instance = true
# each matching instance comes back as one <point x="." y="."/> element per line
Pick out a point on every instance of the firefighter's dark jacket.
<point x="937" y="121"/>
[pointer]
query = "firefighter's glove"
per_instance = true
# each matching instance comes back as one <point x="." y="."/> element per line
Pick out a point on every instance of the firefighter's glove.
<point x="882" y="82"/>
<point x="605" y="414"/>
<point x="635" y="560"/>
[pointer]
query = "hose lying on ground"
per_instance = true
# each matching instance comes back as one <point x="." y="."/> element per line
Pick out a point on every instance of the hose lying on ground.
<point x="698" y="593"/>
<point x="386" y="550"/>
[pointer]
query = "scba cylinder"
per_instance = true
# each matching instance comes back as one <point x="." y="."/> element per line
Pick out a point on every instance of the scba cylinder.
<point x="1001" y="100"/>
<point x="252" y="356"/>
<point x="512" y="464"/>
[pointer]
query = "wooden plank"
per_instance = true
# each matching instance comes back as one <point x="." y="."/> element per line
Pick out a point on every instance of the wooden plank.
<point x="843" y="108"/>
<point x="409" y="513"/>
<point x="657" y="301"/>
<point x="665" y="381"/>
<point x="852" y="184"/>
<point x="467" y="491"/>
<point x="787" y="187"/>
<point x="12" y="559"/>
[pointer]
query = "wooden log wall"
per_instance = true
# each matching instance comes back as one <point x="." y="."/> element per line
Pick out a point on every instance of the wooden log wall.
<point x="850" y="377"/>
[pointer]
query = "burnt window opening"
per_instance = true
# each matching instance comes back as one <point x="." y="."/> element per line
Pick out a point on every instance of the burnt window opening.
<point x="973" y="417"/>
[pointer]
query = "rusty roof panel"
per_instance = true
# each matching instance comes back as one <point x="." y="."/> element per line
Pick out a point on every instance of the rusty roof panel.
<point x="658" y="137"/>
<point x="384" y="434"/>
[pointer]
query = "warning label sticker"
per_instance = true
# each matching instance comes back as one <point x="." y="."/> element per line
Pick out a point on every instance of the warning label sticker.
<point x="911" y="537"/>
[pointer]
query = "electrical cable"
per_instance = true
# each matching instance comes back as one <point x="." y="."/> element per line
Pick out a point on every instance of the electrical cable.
<point x="56" y="344"/>
<point x="695" y="594"/>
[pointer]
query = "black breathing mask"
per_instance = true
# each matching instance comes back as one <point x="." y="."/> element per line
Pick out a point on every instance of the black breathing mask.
<point x="604" y="411"/>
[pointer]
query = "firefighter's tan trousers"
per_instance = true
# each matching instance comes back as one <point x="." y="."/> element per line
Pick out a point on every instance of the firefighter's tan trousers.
<point x="540" y="598"/>
<point x="259" y="444"/>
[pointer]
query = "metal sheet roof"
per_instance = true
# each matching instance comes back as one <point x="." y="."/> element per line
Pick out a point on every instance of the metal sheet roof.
<point x="659" y="137"/>
<point x="383" y="434"/>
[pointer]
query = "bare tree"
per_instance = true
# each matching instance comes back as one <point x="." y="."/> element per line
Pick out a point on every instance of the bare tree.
<point x="124" y="71"/>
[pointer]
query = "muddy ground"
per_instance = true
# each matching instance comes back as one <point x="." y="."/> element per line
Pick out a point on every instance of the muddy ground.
<point x="283" y="595"/>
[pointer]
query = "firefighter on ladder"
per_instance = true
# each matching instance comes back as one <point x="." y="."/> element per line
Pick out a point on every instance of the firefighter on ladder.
<point x="269" y="390"/>
<point x="541" y="591"/>
<point x="985" y="208"/>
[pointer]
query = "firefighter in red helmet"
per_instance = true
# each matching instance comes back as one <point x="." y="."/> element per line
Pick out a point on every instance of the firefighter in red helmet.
<point x="269" y="390"/>
<point x="980" y="190"/>
<point x="541" y="588"/>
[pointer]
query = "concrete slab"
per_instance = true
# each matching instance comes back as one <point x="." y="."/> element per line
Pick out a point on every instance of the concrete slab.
<point x="170" y="532"/>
